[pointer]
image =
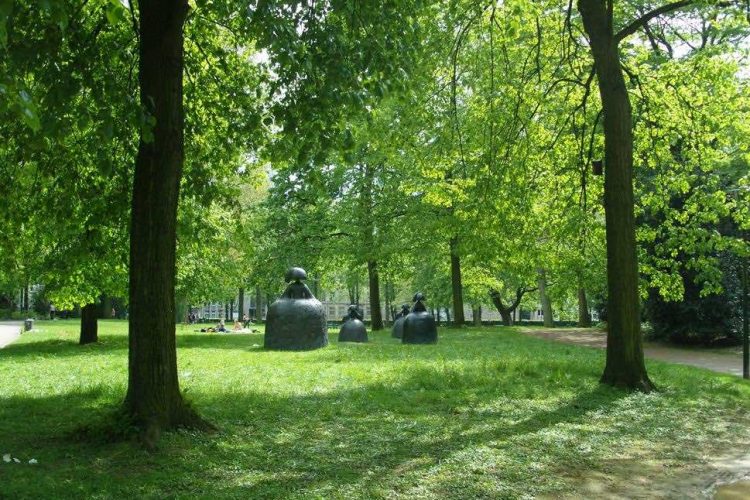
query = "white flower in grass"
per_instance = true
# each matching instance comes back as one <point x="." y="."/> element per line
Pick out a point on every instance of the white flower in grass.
<point x="6" y="458"/>
<point x="33" y="461"/>
<point x="16" y="460"/>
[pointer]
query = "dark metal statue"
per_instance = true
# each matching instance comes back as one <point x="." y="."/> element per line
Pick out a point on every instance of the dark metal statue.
<point x="353" y="329"/>
<point x="296" y="321"/>
<point x="419" y="325"/>
<point x="398" y="323"/>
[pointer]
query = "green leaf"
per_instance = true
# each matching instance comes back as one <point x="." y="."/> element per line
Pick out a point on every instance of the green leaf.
<point x="115" y="12"/>
<point x="6" y="8"/>
<point x="29" y="112"/>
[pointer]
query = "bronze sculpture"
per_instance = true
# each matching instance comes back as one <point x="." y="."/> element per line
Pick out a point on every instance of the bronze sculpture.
<point x="296" y="321"/>
<point x="353" y="329"/>
<point x="398" y="324"/>
<point x="419" y="325"/>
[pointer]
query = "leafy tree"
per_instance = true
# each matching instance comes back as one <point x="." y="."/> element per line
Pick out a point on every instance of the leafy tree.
<point x="625" y="366"/>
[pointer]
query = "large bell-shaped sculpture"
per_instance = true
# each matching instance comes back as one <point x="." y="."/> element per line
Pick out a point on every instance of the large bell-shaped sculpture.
<point x="398" y="324"/>
<point x="353" y="330"/>
<point x="419" y="325"/>
<point x="296" y="321"/>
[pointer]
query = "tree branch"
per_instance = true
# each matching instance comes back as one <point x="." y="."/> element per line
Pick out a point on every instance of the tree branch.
<point x="645" y="18"/>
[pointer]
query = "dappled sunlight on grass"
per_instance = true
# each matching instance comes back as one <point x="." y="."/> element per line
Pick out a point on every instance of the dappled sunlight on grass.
<point x="486" y="412"/>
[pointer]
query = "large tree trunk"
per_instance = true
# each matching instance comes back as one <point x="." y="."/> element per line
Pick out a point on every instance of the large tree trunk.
<point x="353" y="289"/>
<point x="153" y="399"/>
<point x="745" y="277"/>
<point x="258" y="305"/>
<point x="625" y="366"/>
<point x="368" y="242"/>
<point x="507" y="317"/>
<point x="458" y="297"/>
<point x="89" y="324"/>
<point x="376" y="316"/>
<point x="26" y="299"/>
<point x="241" y="304"/>
<point x="387" y="297"/>
<point x="476" y="312"/>
<point x="506" y="313"/>
<point x="105" y="307"/>
<point x="544" y="299"/>
<point x="584" y="317"/>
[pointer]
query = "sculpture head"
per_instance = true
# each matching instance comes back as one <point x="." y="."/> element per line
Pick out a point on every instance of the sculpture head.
<point x="418" y="305"/>
<point x="295" y="274"/>
<point x="354" y="311"/>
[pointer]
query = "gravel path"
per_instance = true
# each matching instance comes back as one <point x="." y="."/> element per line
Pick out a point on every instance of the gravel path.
<point x="9" y="332"/>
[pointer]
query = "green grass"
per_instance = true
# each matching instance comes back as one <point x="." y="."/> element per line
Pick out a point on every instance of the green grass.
<point x="485" y="413"/>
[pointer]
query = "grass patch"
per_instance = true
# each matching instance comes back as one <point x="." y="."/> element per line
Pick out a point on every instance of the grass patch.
<point x="487" y="412"/>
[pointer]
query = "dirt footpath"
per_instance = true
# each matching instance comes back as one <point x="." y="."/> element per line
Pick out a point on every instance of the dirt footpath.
<point x="723" y="478"/>
<point x="718" y="361"/>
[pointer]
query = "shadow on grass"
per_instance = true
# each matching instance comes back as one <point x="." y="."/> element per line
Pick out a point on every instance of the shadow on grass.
<point x="387" y="436"/>
<point x="464" y="346"/>
<point x="275" y="446"/>
<point x="110" y="343"/>
<point x="64" y="347"/>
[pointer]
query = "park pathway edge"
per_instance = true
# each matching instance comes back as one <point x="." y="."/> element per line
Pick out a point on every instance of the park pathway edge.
<point x="9" y="332"/>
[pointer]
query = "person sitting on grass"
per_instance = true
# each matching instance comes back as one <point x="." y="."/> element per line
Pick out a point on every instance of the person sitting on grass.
<point x="220" y="327"/>
<point x="237" y="326"/>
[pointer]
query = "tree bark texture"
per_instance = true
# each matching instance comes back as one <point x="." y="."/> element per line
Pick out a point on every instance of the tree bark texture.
<point x="745" y="320"/>
<point x="625" y="365"/>
<point x="387" y="296"/>
<point x="458" y="297"/>
<point x="153" y="398"/>
<point x="89" y="324"/>
<point x="376" y="317"/>
<point x="506" y="312"/>
<point x="584" y="317"/>
<point x="258" y="305"/>
<point x="544" y="299"/>
<point x="476" y="312"/>
<point x="105" y="307"/>
<point x="241" y="304"/>
<point x="368" y="238"/>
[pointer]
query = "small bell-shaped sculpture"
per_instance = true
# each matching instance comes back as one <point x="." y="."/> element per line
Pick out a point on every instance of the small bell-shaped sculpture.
<point x="419" y="325"/>
<point x="353" y="330"/>
<point x="296" y="321"/>
<point x="398" y="323"/>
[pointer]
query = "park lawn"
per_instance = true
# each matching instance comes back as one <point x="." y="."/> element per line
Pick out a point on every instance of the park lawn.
<point x="487" y="412"/>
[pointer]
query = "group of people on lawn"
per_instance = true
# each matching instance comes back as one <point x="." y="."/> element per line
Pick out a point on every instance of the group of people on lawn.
<point x="221" y="327"/>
